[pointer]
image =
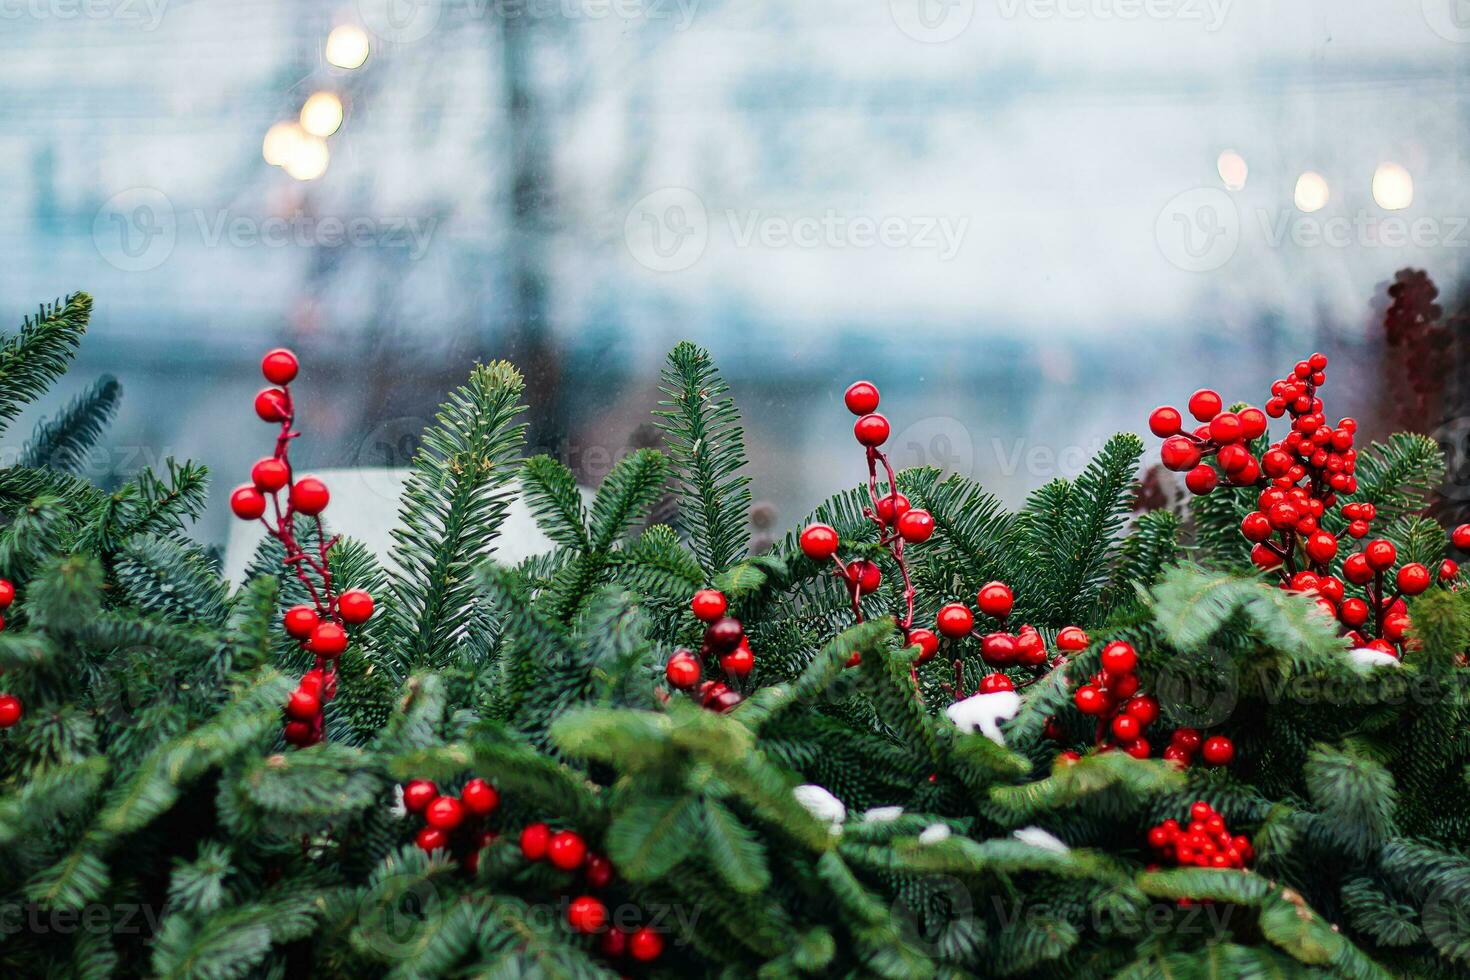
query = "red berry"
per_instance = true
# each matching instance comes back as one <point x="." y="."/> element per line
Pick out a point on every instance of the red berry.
<point x="309" y="495"/>
<point x="270" y="474"/>
<point x="1321" y="547"/>
<point x="1355" y="569"/>
<point x="1072" y="639"/>
<point x="599" y="871"/>
<point x="926" y="641"/>
<point x="355" y="606"/>
<point x="1448" y="570"/>
<point x="1413" y="578"/>
<point x="566" y="849"/>
<point x="892" y="506"/>
<point x="1067" y="758"/>
<point x="682" y="670"/>
<point x="916" y="526"/>
<point x="724" y="634"/>
<point x="1461" y="537"/>
<point x="709" y="604"/>
<point x="991" y="683"/>
<point x="303" y="705"/>
<point x="1226" y="427"/>
<point x="1125" y="728"/>
<point x="645" y="945"/>
<point x="300" y="621"/>
<point x="1380" y="553"/>
<point x="738" y="662"/>
<point x="479" y="797"/>
<point x="955" y="620"/>
<point x="995" y="599"/>
<point x="819" y="542"/>
<point x="1264" y="556"/>
<point x="1179" y="453"/>
<point x="1030" y="649"/>
<point x="534" y="841"/>
<point x="10" y="710"/>
<point x="1165" y="421"/>
<point x="1255" y="526"/>
<point x="1202" y="479"/>
<point x="613" y="943"/>
<point x="998" y="648"/>
<point x="871" y="430"/>
<point x="1205" y="404"/>
<point x="1186" y="739"/>
<point x="1252" y="423"/>
<point x="418" y="794"/>
<point x="861" y="397"/>
<point x="586" y="914"/>
<point x="1218" y="750"/>
<point x="1353" y="612"/>
<point x="247" y="502"/>
<point x="270" y="405"/>
<point x="1144" y="708"/>
<point x="279" y="366"/>
<point x="328" y="640"/>
<point x="445" y="813"/>
<point x="865" y="575"/>
<point x="1119" y="658"/>
<point x="1090" y="700"/>
<point x="431" y="839"/>
<point x="1395" y="627"/>
<point x="7" y="593"/>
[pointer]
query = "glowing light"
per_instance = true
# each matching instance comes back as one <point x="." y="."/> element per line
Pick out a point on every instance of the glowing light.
<point x="1393" y="187"/>
<point x="347" y="46"/>
<point x="308" y="159"/>
<point x="1233" y="170"/>
<point x="1311" y="192"/>
<point x="280" y="141"/>
<point x="322" y="114"/>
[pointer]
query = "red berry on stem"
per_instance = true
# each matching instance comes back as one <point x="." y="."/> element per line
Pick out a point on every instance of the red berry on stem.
<point x="682" y="670"/>
<point x="566" y="849"/>
<point x="1264" y="556"/>
<point x="1165" y="421"/>
<point x="1461" y="537"/>
<point x="871" y="430"/>
<point x="1090" y="700"/>
<point x="279" y="366"/>
<point x="270" y="405"/>
<point x="708" y="605"/>
<point x="1202" y="479"/>
<point x="1252" y="423"/>
<point x="724" y="634"/>
<point x="599" y="871"/>
<point x="1205" y="404"/>
<point x="1179" y="453"/>
<point x="1380" y="553"/>
<point x="955" y="620"/>
<point x="303" y="705"/>
<point x="645" y="945"/>
<point x="1413" y="578"/>
<point x="270" y="474"/>
<point x="1125" y="728"/>
<point x="1119" y="658"/>
<point x="431" y="839"/>
<point x="738" y="662"/>
<point x="7" y="593"/>
<point x="1144" y="708"/>
<point x="586" y="914"/>
<point x="613" y="943"/>
<point x="995" y="599"/>
<point x="445" y="813"/>
<point x="1226" y="427"/>
<point x="247" y="502"/>
<point x="355" y="606"/>
<point x="1321" y="547"/>
<point x="892" y="506"/>
<point x="534" y="841"/>
<point x="1072" y="639"/>
<point x="991" y="683"/>
<point x="926" y="641"/>
<point x="300" y="621"/>
<point x="1355" y="569"/>
<point x="1218" y="751"/>
<point x="819" y="542"/>
<point x="418" y="794"/>
<point x="998" y="648"/>
<point x="916" y="526"/>
<point x="865" y="575"/>
<point x="1255" y="526"/>
<point x="327" y="640"/>
<point x="861" y="397"/>
<point x="10" y="710"/>
<point x="1353" y="612"/>
<point x="479" y="797"/>
<point x="1448" y="570"/>
<point x="309" y="495"/>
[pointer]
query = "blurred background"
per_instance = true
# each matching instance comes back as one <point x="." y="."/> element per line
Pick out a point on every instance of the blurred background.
<point x="1028" y="221"/>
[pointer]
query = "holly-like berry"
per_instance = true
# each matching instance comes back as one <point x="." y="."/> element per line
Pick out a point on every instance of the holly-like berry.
<point x="1125" y="727"/>
<point x="926" y="641"/>
<point x="682" y="670"/>
<point x="431" y="839"/>
<point x="1448" y="570"/>
<point x="991" y="683"/>
<point x="279" y="366"/>
<point x="1165" y="422"/>
<point x="866" y="575"/>
<point x="613" y="943"/>
<point x="724" y="634"/>
<point x="566" y="849"/>
<point x="819" y="542"/>
<point x="892" y="506"/>
<point x="1355" y="568"/>
<point x="1090" y="700"/>
<point x="871" y="430"/>
<point x="955" y="620"/>
<point x="309" y="495"/>
<point x="1072" y="639"/>
<point x="708" y="605"/>
<point x="1218" y="750"/>
<point x="328" y="640"/>
<point x="1413" y="578"/>
<point x="1380" y="553"/>
<point x="270" y="474"/>
<point x="247" y="502"/>
<point x="1119" y="658"/>
<point x="599" y="871"/>
<point x="1255" y="526"/>
<point x="861" y="397"/>
<point x="1205" y="404"/>
<point x="1179" y="453"/>
<point x="303" y="705"/>
<point x="1202" y="479"/>
<point x="418" y="794"/>
<point x="1144" y="708"/>
<point x="479" y="797"/>
<point x="535" y="838"/>
<point x="995" y="599"/>
<point x="300" y="621"/>
<point x="916" y="526"/>
<point x="645" y="945"/>
<point x="738" y="662"/>
<point x="10" y="710"/>
<point x="444" y="812"/>
<point x="1353" y="612"/>
<point x="1461" y="537"/>
<point x="998" y="649"/>
<point x="586" y="914"/>
<point x="355" y="606"/>
<point x="270" y="405"/>
<point x="1321" y="547"/>
<point x="7" y="593"/>
<point x="299" y="734"/>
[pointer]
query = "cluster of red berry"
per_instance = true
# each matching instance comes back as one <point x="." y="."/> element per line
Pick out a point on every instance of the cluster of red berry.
<point x="10" y="709"/>
<point x="455" y="823"/>
<point x="1204" y="842"/>
<point x="321" y="626"/>
<point x="898" y="522"/>
<point x="565" y="849"/>
<point x="1300" y="479"/>
<point x="724" y="638"/>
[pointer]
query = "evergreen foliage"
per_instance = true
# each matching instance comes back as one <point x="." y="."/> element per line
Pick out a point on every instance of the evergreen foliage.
<point x="154" y="823"/>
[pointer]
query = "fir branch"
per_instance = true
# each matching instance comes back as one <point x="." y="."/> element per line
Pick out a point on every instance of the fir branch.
<point x="40" y="353"/>
<point x="63" y="441"/>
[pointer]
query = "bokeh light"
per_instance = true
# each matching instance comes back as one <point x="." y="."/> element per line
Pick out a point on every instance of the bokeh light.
<point x="1393" y="187"/>
<point x="1311" y="192"/>
<point x="322" y="114"/>
<point x="308" y="159"/>
<point x="280" y="141"/>
<point x="347" y="46"/>
<point x="1233" y="170"/>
